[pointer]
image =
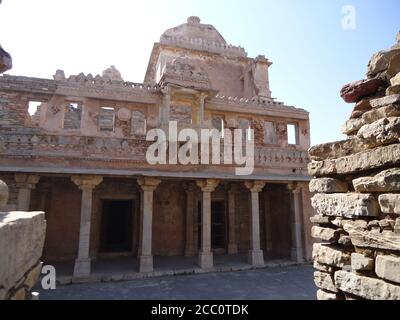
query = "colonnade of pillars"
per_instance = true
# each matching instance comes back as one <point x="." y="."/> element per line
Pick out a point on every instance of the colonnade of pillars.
<point x="27" y="182"/>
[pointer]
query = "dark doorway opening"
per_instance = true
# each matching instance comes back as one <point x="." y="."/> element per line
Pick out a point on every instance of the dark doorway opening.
<point x="117" y="225"/>
<point x="217" y="224"/>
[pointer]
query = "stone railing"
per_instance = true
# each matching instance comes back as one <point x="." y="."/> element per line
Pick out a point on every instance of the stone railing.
<point x="133" y="149"/>
<point x="269" y="156"/>
<point x="29" y="144"/>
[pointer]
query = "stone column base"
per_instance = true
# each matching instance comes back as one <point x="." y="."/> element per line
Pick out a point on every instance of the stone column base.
<point x="232" y="248"/>
<point x="206" y="260"/>
<point x="82" y="267"/>
<point x="256" y="257"/>
<point x="146" y="264"/>
<point x="295" y="256"/>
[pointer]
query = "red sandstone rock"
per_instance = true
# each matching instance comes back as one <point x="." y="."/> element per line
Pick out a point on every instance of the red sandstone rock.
<point x="355" y="91"/>
<point x="5" y="60"/>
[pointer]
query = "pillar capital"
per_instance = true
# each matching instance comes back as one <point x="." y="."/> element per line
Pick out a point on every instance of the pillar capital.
<point x="255" y="186"/>
<point x="26" y="181"/>
<point x="294" y="187"/>
<point x="86" y="182"/>
<point x="148" y="183"/>
<point x="207" y="185"/>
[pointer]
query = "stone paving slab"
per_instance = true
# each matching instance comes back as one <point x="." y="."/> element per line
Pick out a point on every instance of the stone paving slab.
<point x="276" y="283"/>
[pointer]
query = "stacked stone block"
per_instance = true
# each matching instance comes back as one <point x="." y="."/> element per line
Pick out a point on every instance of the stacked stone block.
<point x="357" y="191"/>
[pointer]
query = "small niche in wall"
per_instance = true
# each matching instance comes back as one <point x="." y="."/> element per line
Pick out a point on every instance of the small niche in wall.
<point x="72" y="116"/>
<point x="106" y="119"/>
<point x="292" y="135"/>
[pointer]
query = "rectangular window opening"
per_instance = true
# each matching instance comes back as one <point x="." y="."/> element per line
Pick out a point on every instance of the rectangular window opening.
<point x="292" y="134"/>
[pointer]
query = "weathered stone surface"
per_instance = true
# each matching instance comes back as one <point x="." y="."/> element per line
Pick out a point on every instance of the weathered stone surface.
<point x="324" y="267"/>
<point x="365" y="287"/>
<point x="359" y="262"/>
<point x="363" y="105"/>
<point x="320" y="219"/>
<point x="324" y="295"/>
<point x="395" y="80"/>
<point x="345" y="241"/>
<point x="355" y="91"/>
<point x="351" y="126"/>
<point x="33" y="275"/>
<point x="385" y="101"/>
<point x="336" y="149"/>
<point x="384" y="181"/>
<point x="362" y="161"/>
<point x="345" y="204"/>
<point x="328" y="185"/>
<point x="27" y="231"/>
<point x="372" y="239"/>
<point x="390" y="203"/>
<point x="325" y="234"/>
<point x="330" y="255"/>
<point x="394" y="65"/>
<point x="388" y="268"/>
<point x="380" y="61"/>
<point x="393" y="90"/>
<point x="5" y="60"/>
<point x="324" y="280"/>
<point x="392" y="110"/>
<point x="3" y="194"/>
<point x="382" y="131"/>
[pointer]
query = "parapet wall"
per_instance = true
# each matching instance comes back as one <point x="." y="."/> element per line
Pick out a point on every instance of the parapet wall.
<point x="22" y="237"/>
<point x="357" y="185"/>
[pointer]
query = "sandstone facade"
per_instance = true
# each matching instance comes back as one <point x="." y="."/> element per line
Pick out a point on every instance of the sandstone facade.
<point x="80" y="156"/>
<point x="357" y="196"/>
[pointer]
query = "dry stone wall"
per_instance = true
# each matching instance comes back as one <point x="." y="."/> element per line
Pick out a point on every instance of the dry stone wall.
<point x="357" y="186"/>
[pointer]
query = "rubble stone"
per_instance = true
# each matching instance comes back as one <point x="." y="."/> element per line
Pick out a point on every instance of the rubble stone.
<point x="325" y="234"/>
<point x="324" y="281"/>
<point x="380" y="61"/>
<point x="327" y="185"/>
<point x="325" y="295"/>
<point x="329" y="255"/>
<point x="345" y="204"/>
<point x="388" y="268"/>
<point x="360" y="262"/>
<point x="384" y="181"/>
<point x="390" y="203"/>
<point x="366" y="287"/>
<point x="355" y="91"/>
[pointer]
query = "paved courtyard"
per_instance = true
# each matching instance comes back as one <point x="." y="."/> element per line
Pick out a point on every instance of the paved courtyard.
<point x="292" y="282"/>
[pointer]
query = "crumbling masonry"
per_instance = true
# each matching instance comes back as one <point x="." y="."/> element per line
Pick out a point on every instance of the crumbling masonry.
<point x="357" y="182"/>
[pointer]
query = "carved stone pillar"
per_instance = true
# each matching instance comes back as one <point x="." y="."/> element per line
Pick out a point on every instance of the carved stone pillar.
<point x="165" y="109"/>
<point x="256" y="257"/>
<point x="148" y="185"/>
<point x="190" y="216"/>
<point x="25" y="184"/>
<point x="205" y="255"/>
<point x="86" y="184"/>
<point x="232" y="245"/>
<point x="296" y="227"/>
<point x="201" y="109"/>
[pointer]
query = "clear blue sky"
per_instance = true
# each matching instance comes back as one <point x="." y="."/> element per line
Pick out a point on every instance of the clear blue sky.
<point x="313" y="55"/>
